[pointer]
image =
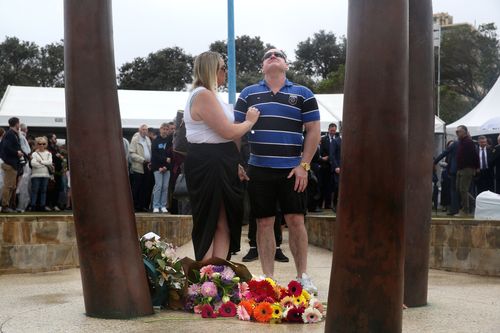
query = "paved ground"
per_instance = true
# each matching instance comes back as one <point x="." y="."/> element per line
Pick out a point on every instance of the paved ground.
<point x="53" y="302"/>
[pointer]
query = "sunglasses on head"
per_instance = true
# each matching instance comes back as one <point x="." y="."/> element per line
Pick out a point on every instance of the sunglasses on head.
<point x="277" y="54"/>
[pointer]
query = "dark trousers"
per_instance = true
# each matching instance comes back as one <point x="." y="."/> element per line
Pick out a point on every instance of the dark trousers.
<point x="54" y="191"/>
<point x="454" y="201"/>
<point x="252" y="229"/>
<point x="138" y="185"/>
<point x="485" y="181"/>
<point x="497" y="185"/>
<point x="327" y="185"/>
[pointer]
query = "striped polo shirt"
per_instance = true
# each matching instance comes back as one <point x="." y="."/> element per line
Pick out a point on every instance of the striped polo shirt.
<point x="276" y="139"/>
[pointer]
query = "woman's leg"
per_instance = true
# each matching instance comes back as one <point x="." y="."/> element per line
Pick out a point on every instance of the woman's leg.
<point x="35" y="187"/>
<point x="221" y="237"/>
<point x="44" y="182"/>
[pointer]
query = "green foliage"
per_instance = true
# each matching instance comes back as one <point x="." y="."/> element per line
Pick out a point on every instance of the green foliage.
<point x="320" y="55"/>
<point x="470" y="60"/>
<point x="334" y="82"/>
<point x="167" y="69"/>
<point x="453" y="105"/>
<point x="249" y="53"/>
<point x="26" y="64"/>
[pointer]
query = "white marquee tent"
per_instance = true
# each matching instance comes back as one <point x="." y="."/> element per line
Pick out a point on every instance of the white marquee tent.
<point x="484" y="118"/>
<point x="45" y="107"/>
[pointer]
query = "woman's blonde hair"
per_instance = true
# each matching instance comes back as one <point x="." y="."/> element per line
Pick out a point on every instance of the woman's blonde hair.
<point x="41" y="139"/>
<point x="205" y="70"/>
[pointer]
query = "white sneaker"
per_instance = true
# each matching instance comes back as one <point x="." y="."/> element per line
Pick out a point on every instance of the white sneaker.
<point x="156" y="210"/>
<point x="164" y="210"/>
<point x="307" y="284"/>
<point x="57" y="209"/>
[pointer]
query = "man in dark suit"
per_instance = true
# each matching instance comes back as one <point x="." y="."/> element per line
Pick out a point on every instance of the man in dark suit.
<point x="495" y="163"/>
<point x="12" y="156"/>
<point x="485" y="178"/>
<point x="330" y="166"/>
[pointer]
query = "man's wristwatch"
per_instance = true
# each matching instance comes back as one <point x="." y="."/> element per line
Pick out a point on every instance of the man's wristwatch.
<point x="305" y="165"/>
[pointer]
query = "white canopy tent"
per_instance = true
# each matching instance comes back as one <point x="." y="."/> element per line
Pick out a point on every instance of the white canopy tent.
<point x="45" y="107"/>
<point x="484" y="118"/>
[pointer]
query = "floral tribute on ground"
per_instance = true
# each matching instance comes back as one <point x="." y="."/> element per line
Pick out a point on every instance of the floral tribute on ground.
<point x="218" y="292"/>
<point x="166" y="278"/>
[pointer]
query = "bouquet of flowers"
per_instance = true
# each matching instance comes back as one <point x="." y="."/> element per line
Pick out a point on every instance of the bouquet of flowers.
<point x="267" y="302"/>
<point x="164" y="271"/>
<point x="214" y="291"/>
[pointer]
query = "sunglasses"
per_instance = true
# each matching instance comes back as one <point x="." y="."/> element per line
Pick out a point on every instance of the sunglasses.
<point x="223" y="68"/>
<point x="273" y="53"/>
<point x="41" y="144"/>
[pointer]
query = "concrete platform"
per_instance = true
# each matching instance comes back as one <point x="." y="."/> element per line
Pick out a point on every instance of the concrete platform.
<point x="53" y="302"/>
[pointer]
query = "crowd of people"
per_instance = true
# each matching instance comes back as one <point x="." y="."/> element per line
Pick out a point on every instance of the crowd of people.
<point x="469" y="168"/>
<point x="35" y="174"/>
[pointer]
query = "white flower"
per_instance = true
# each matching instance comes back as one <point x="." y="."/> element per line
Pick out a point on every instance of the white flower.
<point x="311" y="315"/>
<point x="151" y="235"/>
<point x="148" y="245"/>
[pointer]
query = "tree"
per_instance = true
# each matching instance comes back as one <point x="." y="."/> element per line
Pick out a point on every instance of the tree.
<point x="168" y="69"/>
<point x="470" y="60"/>
<point x="51" y="68"/>
<point x="26" y="64"/>
<point x="334" y="82"/>
<point x="453" y="105"/>
<point x="249" y="53"/>
<point x="18" y="63"/>
<point x="320" y="55"/>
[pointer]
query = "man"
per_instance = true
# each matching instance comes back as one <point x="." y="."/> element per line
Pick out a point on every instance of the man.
<point x="53" y="193"/>
<point x="495" y="163"/>
<point x="278" y="169"/>
<point x="12" y="156"/>
<point x="24" y="182"/>
<point x="467" y="166"/>
<point x="485" y="179"/>
<point x="140" y="168"/>
<point x="161" y="166"/>
<point x="330" y="166"/>
<point x="451" y="167"/>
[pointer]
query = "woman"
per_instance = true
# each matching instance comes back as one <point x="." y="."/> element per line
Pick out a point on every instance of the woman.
<point x="41" y="161"/>
<point x="213" y="174"/>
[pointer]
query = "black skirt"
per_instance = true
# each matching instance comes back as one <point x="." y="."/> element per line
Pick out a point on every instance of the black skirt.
<point x="212" y="178"/>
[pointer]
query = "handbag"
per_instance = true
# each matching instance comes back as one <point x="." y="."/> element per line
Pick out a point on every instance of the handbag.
<point x="180" y="189"/>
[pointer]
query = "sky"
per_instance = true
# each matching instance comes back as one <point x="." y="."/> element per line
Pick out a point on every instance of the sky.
<point x="144" y="26"/>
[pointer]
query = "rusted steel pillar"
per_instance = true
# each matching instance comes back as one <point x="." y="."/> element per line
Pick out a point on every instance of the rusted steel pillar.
<point x="366" y="286"/>
<point x="113" y="276"/>
<point x="420" y="149"/>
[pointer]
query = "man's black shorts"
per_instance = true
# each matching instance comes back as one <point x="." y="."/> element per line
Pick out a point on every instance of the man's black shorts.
<point x="268" y="186"/>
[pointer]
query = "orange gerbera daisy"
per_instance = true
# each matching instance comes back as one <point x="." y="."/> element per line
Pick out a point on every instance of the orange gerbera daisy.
<point x="248" y="305"/>
<point x="263" y="312"/>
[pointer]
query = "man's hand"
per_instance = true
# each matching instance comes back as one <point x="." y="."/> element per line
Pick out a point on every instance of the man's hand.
<point x="242" y="173"/>
<point x="324" y="158"/>
<point x="300" y="178"/>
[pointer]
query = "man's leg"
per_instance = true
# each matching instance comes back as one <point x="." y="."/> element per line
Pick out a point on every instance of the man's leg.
<point x="454" y="206"/>
<point x="297" y="238"/>
<point x="9" y="185"/>
<point x="266" y="244"/>
<point x="252" y="237"/>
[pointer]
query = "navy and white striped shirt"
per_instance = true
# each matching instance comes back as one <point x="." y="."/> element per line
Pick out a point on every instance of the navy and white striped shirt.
<point x="276" y="139"/>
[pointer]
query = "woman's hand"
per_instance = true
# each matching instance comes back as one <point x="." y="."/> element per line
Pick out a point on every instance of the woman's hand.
<point x="242" y="173"/>
<point x="252" y="114"/>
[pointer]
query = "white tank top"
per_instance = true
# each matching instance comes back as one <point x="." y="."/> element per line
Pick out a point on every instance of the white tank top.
<point x="197" y="131"/>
